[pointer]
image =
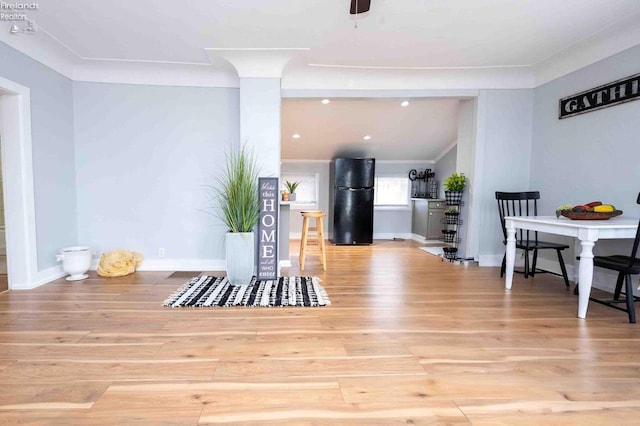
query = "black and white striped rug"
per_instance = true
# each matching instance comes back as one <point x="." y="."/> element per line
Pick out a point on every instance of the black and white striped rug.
<point x="208" y="291"/>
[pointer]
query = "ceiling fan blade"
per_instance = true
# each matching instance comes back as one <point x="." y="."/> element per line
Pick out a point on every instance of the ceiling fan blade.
<point x="359" y="6"/>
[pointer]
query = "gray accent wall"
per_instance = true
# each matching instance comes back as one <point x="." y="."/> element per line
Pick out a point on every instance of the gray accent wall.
<point x="145" y="156"/>
<point x="395" y="222"/>
<point x="592" y="156"/>
<point x="52" y="149"/>
<point x="445" y="167"/>
<point x="503" y="159"/>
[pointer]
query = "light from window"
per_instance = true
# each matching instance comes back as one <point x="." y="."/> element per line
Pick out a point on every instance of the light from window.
<point x="391" y="191"/>
<point x="307" y="191"/>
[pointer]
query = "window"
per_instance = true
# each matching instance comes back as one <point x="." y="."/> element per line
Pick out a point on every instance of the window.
<point x="391" y="191"/>
<point x="307" y="191"/>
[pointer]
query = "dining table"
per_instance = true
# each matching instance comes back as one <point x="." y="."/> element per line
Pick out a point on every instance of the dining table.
<point x="586" y="232"/>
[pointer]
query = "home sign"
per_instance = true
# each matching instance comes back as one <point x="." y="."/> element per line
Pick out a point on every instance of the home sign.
<point x="268" y="229"/>
<point x="617" y="92"/>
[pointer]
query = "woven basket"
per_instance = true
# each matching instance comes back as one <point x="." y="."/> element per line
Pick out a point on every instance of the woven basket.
<point x="450" y="252"/>
<point x="448" y="235"/>
<point x="451" y="218"/>
<point x="453" y="198"/>
<point x="590" y="215"/>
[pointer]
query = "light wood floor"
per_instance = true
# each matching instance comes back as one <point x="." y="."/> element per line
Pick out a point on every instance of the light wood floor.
<point x="408" y="339"/>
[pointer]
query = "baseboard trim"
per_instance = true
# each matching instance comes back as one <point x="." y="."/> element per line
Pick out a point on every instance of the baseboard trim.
<point x="419" y="238"/>
<point x="285" y="264"/>
<point x="45" y="276"/>
<point x="182" y="265"/>
<point x="391" y="236"/>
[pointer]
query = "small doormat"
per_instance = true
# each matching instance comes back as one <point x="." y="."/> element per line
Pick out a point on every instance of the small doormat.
<point x="437" y="251"/>
<point x="209" y="291"/>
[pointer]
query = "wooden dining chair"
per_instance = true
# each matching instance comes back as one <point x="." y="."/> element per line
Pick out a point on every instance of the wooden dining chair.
<point x="626" y="266"/>
<point x="526" y="204"/>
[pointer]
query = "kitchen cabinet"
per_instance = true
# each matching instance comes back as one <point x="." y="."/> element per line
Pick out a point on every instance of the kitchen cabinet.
<point x="435" y="214"/>
<point x="419" y="217"/>
<point x="426" y="218"/>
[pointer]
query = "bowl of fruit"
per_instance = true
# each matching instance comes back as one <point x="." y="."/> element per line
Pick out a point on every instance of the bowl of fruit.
<point x="595" y="210"/>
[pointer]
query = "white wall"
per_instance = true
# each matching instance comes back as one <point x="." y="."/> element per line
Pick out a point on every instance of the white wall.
<point x="144" y="155"/>
<point x="52" y="152"/>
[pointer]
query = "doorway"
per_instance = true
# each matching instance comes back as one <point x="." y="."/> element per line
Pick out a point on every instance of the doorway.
<point x="4" y="280"/>
<point x="18" y="194"/>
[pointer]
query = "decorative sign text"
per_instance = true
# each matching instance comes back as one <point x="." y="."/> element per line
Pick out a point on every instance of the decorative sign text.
<point x="268" y="229"/>
<point x="614" y="93"/>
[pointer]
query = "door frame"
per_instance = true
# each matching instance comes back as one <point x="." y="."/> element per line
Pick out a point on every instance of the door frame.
<point x="17" y="171"/>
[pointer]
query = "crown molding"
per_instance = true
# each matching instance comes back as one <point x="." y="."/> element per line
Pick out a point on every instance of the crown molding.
<point x="155" y="73"/>
<point x="44" y="48"/>
<point x="53" y="53"/>
<point x="609" y="41"/>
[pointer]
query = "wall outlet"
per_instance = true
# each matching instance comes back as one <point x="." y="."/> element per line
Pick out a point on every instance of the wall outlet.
<point x="161" y="252"/>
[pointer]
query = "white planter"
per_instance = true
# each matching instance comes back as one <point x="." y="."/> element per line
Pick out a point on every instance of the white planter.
<point x="75" y="262"/>
<point x="240" y="257"/>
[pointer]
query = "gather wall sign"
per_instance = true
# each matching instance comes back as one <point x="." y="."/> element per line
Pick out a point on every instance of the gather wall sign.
<point x="614" y="93"/>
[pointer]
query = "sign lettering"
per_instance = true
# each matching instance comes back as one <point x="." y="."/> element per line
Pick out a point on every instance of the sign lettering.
<point x="268" y="242"/>
<point x="614" y="93"/>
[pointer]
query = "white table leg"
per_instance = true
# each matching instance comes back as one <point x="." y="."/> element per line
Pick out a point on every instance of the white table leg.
<point x="510" y="254"/>
<point x="585" y="276"/>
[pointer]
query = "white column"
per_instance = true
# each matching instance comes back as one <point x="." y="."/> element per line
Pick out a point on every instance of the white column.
<point x="260" y="72"/>
<point x="260" y="122"/>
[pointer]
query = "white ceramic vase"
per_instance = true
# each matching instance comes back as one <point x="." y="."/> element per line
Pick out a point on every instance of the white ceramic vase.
<point x="240" y="257"/>
<point x="76" y="261"/>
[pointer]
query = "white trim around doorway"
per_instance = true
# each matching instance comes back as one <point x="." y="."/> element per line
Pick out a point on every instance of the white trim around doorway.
<point x="17" y="170"/>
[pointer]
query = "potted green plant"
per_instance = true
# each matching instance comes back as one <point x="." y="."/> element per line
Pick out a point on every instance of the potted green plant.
<point x="453" y="187"/>
<point x="291" y="187"/>
<point x="237" y="204"/>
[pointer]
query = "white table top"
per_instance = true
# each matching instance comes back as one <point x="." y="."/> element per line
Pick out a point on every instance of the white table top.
<point x="618" y="222"/>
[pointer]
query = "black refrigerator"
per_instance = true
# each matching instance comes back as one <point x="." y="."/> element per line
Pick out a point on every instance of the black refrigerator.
<point x="353" y="181"/>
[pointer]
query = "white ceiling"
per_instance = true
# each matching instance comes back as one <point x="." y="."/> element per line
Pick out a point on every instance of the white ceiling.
<point x="395" y="33"/>
<point x="399" y="44"/>
<point x="421" y="131"/>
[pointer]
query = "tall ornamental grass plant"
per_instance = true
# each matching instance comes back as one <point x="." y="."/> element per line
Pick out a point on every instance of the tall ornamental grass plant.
<point x="236" y="192"/>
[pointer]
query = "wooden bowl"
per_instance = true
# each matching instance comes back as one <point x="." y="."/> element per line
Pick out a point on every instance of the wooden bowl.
<point x="590" y="215"/>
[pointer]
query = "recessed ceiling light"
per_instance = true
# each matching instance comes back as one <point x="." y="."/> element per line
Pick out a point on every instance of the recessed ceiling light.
<point x="325" y="101"/>
<point x="296" y="136"/>
<point x="366" y="137"/>
<point x="404" y="103"/>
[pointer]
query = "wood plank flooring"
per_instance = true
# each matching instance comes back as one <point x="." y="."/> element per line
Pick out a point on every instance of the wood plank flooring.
<point x="408" y="339"/>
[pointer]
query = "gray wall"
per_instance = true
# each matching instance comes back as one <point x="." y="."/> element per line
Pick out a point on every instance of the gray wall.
<point x="445" y="167"/>
<point x="591" y="156"/>
<point x="144" y="155"/>
<point x="53" y="151"/>
<point x="503" y="160"/>
<point x="396" y="222"/>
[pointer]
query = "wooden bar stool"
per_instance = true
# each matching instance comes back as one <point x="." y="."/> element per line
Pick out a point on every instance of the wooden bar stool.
<point x="306" y="217"/>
